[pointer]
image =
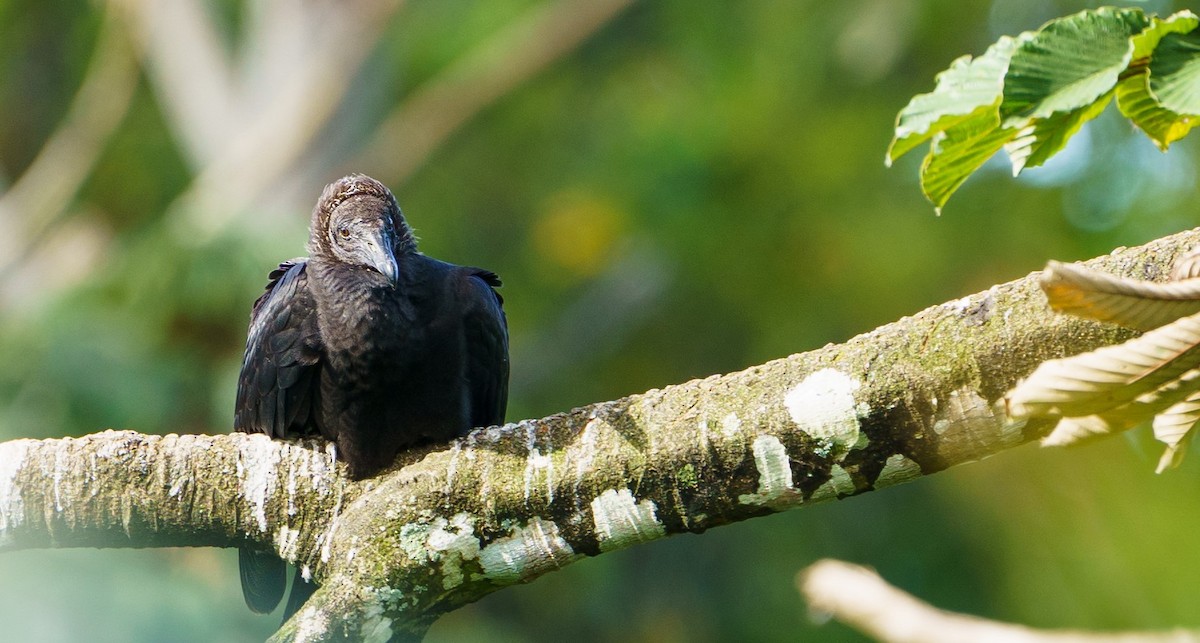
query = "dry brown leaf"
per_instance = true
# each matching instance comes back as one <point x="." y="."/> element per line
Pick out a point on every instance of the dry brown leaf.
<point x="1154" y="377"/>
<point x="1174" y="427"/>
<point x="1143" y="305"/>
<point x="1075" y="430"/>
<point x="1187" y="266"/>
<point x="1106" y="379"/>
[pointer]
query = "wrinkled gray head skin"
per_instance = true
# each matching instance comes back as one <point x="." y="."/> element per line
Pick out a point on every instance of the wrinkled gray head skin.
<point x="357" y="221"/>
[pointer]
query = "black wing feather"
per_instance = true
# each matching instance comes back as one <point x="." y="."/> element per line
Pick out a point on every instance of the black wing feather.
<point x="301" y="591"/>
<point x="486" y="330"/>
<point x="264" y="578"/>
<point x="275" y="395"/>
<point x="283" y="354"/>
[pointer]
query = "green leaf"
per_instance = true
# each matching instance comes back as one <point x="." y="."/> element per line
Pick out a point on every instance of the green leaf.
<point x="967" y="90"/>
<point x="1160" y="124"/>
<point x="956" y="153"/>
<point x="1146" y="42"/>
<point x="1134" y="97"/>
<point x="1069" y="63"/>
<point x="1143" y="305"/>
<point x="1175" y="72"/>
<point x="1045" y="137"/>
<point x="1052" y="81"/>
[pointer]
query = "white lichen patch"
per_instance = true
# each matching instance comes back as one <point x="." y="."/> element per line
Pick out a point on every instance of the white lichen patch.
<point x="178" y="472"/>
<point x="110" y="448"/>
<point x="775" y="488"/>
<point x="731" y="425"/>
<point x="326" y="539"/>
<point x="455" y="535"/>
<point x="450" y="542"/>
<point x="413" y="537"/>
<point x="646" y="405"/>
<point x="62" y="462"/>
<point x="528" y="552"/>
<point x="391" y="598"/>
<point x="288" y="541"/>
<point x="376" y="626"/>
<point x="539" y="467"/>
<point x="485" y="488"/>
<point x="127" y="513"/>
<point x="310" y="466"/>
<point x="823" y="406"/>
<point x="176" y="453"/>
<point x="620" y="520"/>
<point x="256" y="470"/>
<point x="539" y="471"/>
<point x="12" y="505"/>
<point x="494" y="434"/>
<point x="454" y="541"/>
<point x="291" y="491"/>
<point x="311" y="624"/>
<point x="331" y="452"/>
<point x="586" y="449"/>
<point x="959" y="305"/>
<point x="93" y="476"/>
<point x="839" y="484"/>
<point x="897" y="469"/>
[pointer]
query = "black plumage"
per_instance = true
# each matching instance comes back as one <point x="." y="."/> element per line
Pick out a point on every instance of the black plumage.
<point x="370" y="344"/>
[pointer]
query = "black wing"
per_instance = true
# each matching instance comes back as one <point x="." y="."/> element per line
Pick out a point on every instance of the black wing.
<point x="264" y="579"/>
<point x="277" y="386"/>
<point x="276" y="392"/>
<point x="486" y="331"/>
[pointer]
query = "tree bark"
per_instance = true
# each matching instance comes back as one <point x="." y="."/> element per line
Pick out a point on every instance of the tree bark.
<point x="449" y="524"/>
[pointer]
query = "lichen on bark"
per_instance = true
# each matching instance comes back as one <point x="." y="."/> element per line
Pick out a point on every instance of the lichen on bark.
<point x="451" y="523"/>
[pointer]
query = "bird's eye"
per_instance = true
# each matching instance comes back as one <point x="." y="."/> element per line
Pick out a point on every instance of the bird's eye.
<point x="344" y="232"/>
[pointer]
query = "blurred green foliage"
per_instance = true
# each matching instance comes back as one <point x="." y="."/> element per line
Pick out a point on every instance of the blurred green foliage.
<point x="695" y="189"/>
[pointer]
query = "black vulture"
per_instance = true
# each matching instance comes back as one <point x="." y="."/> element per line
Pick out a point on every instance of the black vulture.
<point x="370" y="344"/>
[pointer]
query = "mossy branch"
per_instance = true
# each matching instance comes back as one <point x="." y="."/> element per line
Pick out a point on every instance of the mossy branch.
<point x="504" y="505"/>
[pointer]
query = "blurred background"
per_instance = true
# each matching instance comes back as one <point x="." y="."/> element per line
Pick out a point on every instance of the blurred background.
<point x="669" y="189"/>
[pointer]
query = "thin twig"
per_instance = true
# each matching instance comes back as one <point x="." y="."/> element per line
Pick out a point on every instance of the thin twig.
<point x="190" y="70"/>
<point x="272" y="142"/>
<point x="860" y="598"/>
<point x="512" y="56"/>
<point x="42" y="194"/>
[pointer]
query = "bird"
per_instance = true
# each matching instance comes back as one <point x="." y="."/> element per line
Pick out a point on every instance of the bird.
<point x="369" y="344"/>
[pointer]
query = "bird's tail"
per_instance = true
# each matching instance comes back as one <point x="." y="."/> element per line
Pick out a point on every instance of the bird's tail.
<point x="264" y="577"/>
<point x="301" y="590"/>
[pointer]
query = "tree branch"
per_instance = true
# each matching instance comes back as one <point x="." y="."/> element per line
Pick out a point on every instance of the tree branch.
<point x="504" y="505"/>
<point x="127" y="489"/>
<point x="861" y="599"/>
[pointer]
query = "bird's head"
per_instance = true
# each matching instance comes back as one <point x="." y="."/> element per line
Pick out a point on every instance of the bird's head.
<point x="357" y="221"/>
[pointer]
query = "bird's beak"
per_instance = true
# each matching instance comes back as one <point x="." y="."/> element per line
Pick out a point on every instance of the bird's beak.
<point x="381" y="257"/>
